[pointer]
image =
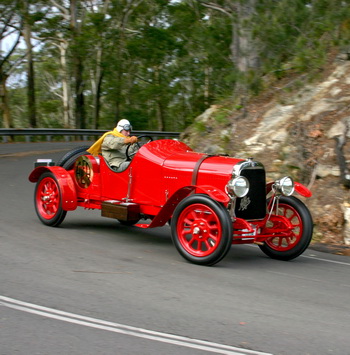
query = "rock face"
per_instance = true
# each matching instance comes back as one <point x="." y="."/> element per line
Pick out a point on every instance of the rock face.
<point x="303" y="133"/>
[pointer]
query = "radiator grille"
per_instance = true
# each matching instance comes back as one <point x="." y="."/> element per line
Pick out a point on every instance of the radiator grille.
<point x="253" y="205"/>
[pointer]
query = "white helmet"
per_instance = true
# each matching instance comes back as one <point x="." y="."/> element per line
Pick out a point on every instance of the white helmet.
<point x="123" y="124"/>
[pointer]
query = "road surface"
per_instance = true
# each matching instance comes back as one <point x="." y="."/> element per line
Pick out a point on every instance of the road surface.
<point x="93" y="286"/>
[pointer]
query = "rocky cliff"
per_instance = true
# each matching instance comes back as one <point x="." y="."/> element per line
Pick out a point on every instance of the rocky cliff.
<point x="294" y="128"/>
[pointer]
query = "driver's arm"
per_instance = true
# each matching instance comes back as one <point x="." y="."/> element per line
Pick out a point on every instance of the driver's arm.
<point x="130" y="140"/>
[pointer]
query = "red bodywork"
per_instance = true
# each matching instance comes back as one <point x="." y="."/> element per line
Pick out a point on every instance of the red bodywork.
<point x="159" y="169"/>
<point x="161" y="175"/>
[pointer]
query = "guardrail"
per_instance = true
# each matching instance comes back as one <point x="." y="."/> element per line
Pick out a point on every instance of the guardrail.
<point x="68" y="134"/>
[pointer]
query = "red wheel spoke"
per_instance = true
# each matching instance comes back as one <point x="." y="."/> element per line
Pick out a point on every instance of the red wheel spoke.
<point x="48" y="198"/>
<point x="185" y="232"/>
<point x="188" y="221"/>
<point x="199" y="245"/>
<point x="199" y="230"/>
<point x="210" y="218"/>
<point x="191" y="241"/>
<point x="207" y="244"/>
<point x="213" y="236"/>
<point x="287" y="242"/>
<point x="193" y="215"/>
<point x="213" y="230"/>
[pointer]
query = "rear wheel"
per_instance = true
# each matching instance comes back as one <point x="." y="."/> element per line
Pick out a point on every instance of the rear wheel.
<point x="48" y="200"/>
<point x="287" y="248"/>
<point x="69" y="164"/>
<point x="201" y="230"/>
<point x="72" y="153"/>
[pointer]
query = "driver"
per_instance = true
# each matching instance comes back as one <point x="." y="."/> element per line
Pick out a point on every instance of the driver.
<point x="113" y="146"/>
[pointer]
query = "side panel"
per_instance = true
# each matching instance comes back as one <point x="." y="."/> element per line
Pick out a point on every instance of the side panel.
<point x="143" y="180"/>
<point x="214" y="171"/>
<point x="150" y="180"/>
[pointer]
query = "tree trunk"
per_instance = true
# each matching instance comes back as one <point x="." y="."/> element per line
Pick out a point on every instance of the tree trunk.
<point x="96" y="88"/>
<point x="4" y="104"/>
<point x="67" y="116"/>
<point x="99" y="72"/>
<point x="207" y="72"/>
<point x="344" y="171"/>
<point x="27" y="34"/>
<point x="159" y="103"/>
<point x="244" y="48"/>
<point x="79" y="93"/>
<point x="78" y="67"/>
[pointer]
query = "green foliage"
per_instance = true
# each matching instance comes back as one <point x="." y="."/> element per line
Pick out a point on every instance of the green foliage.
<point x="161" y="63"/>
<point x="221" y="117"/>
<point x="200" y="127"/>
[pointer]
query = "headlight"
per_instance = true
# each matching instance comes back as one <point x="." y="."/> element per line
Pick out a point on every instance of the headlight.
<point x="285" y="186"/>
<point x="238" y="186"/>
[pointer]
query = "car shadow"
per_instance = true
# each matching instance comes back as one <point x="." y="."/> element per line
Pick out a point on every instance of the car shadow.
<point x="239" y="256"/>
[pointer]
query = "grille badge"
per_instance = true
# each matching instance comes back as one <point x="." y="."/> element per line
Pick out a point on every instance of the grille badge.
<point x="245" y="202"/>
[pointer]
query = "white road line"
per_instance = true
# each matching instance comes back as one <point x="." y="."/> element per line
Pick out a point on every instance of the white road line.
<point x="125" y="329"/>
<point x="313" y="257"/>
<point x="327" y="260"/>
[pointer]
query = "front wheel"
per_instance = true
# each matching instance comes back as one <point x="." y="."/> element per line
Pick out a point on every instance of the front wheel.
<point x="290" y="247"/>
<point x="201" y="230"/>
<point x="48" y="200"/>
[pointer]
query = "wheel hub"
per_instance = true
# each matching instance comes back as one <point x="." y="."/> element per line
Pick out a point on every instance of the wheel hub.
<point x="200" y="229"/>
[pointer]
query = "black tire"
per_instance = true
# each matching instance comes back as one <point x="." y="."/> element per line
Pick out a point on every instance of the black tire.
<point x="201" y="230"/>
<point x="69" y="163"/>
<point x="71" y="153"/>
<point x="48" y="200"/>
<point x="300" y="217"/>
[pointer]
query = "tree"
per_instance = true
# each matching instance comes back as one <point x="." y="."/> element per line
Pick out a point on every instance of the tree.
<point x="11" y="25"/>
<point x="27" y="35"/>
<point x="56" y="34"/>
<point x="159" y="63"/>
<point x="77" y="18"/>
<point x="97" y="27"/>
<point x="244" y="49"/>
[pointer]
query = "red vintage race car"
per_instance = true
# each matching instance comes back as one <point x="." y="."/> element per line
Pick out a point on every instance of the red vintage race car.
<point x="210" y="201"/>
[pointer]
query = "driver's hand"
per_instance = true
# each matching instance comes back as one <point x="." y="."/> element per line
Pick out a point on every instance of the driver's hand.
<point x="130" y="140"/>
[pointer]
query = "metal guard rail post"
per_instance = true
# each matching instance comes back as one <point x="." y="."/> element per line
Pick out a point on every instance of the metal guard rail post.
<point x="67" y="133"/>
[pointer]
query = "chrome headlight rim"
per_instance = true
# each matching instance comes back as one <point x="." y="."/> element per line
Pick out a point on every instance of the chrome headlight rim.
<point x="238" y="187"/>
<point x="284" y="186"/>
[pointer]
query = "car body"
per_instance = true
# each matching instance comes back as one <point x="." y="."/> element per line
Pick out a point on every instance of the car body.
<point x="210" y="201"/>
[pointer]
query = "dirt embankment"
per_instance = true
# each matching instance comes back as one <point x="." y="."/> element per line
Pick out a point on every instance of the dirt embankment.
<point x="295" y="128"/>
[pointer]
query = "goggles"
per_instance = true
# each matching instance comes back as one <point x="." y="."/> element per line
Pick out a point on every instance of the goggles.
<point x="126" y="127"/>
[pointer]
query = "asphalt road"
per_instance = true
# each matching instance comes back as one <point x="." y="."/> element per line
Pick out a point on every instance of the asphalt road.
<point x="93" y="286"/>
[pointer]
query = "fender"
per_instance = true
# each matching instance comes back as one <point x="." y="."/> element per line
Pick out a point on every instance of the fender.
<point x="167" y="210"/>
<point x="214" y="193"/>
<point x="302" y="189"/>
<point x="65" y="183"/>
<point x="298" y="187"/>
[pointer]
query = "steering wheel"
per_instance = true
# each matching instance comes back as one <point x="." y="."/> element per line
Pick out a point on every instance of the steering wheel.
<point x="129" y="156"/>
